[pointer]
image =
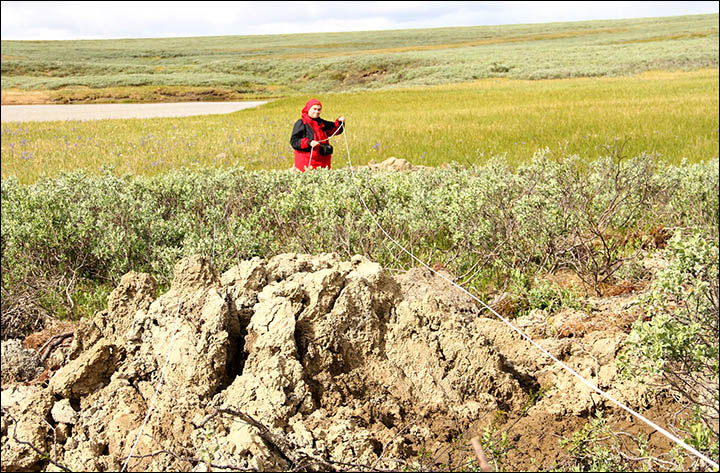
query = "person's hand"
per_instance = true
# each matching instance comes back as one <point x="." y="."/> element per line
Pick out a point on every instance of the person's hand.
<point x="313" y="143"/>
<point x="341" y="119"/>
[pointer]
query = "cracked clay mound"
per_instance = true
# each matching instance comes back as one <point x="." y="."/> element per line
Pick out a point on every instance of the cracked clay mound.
<point x="312" y="362"/>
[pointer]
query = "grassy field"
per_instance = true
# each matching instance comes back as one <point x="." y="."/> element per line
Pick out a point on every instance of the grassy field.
<point x="430" y="96"/>
<point x="232" y="67"/>
<point x="673" y="114"/>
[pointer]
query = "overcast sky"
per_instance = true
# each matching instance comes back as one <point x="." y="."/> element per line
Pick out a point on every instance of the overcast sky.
<point x="105" y="20"/>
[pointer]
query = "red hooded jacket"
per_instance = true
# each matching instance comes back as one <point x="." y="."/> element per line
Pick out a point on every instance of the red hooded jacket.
<point x="307" y="129"/>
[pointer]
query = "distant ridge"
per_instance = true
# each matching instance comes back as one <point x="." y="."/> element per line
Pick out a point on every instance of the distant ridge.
<point x="253" y="66"/>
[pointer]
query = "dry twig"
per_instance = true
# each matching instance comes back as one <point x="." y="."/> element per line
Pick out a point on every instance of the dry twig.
<point x="53" y="342"/>
<point x="33" y="447"/>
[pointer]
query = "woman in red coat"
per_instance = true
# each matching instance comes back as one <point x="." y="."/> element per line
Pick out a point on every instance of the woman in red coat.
<point x="310" y="135"/>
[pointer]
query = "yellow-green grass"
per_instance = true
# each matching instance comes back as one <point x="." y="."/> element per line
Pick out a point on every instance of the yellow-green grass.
<point x="673" y="114"/>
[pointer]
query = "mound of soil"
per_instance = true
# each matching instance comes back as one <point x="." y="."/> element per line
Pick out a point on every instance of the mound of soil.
<point x="393" y="164"/>
<point x="307" y="362"/>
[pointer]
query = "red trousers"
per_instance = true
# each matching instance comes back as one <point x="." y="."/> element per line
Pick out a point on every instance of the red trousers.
<point x="303" y="160"/>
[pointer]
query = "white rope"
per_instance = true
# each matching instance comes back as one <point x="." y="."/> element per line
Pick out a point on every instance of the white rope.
<point x="544" y="351"/>
<point x="157" y="389"/>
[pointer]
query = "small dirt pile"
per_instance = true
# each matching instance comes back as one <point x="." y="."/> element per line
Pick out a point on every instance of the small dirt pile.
<point x="393" y="164"/>
<point x="294" y="362"/>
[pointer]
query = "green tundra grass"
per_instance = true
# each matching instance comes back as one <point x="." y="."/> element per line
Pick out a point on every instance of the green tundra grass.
<point x="230" y="67"/>
<point x="671" y="114"/>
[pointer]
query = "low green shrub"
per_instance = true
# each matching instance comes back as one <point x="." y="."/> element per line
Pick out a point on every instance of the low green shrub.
<point x="593" y="448"/>
<point x="82" y="232"/>
<point x="543" y="295"/>
<point x="549" y="297"/>
<point x="677" y="336"/>
<point x="598" y="447"/>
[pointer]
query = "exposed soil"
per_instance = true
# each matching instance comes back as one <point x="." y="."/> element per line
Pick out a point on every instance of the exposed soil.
<point x="318" y="363"/>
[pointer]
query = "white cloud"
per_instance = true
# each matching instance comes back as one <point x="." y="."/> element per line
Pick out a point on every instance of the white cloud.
<point x="96" y="20"/>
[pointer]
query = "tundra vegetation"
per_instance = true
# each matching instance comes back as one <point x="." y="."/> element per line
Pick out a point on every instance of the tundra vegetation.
<point x="591" y="175"/>
<point x="671" y="114"/>
<point x="231" y="67"/>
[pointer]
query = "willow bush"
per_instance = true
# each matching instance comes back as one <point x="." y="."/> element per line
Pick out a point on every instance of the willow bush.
<point x="66" y="241"/>
<point x="677" y="337"/>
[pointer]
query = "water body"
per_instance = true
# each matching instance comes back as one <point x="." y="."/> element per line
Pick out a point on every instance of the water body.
<point x="42" y="113"/>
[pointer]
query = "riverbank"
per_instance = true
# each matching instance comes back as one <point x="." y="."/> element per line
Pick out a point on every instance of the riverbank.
<point x="40" y="113"/>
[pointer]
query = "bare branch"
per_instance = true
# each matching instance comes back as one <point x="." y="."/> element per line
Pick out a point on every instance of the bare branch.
<point x="33" y="447"/>
<point x="53" y="342"/>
